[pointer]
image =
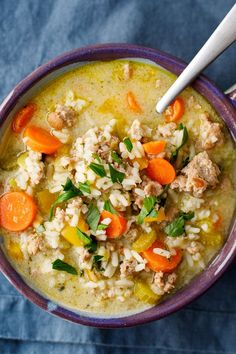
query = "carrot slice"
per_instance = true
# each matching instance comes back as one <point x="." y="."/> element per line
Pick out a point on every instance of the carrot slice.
<point x="117" y="226"/>
<point x="159" y="263"/>
<point x="22" y="118"/>
<point x="175" y="111"/>
<point x="132" y="103"/>
<point x="39" y="139"/>
<point x="154" y="147"/>
<point x="17" y="211"/>
<point x="161" y="170"/>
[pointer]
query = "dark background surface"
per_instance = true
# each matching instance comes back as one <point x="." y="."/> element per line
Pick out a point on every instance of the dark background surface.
<point x="31" y="33"/>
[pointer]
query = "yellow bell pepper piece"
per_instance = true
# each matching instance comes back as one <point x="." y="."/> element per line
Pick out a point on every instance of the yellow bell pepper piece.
<point x="160" y="216"/>
<point x="45" y="200"/>
<point x="82" y="225"/>
<point x="70" y="234"/>
<point x="144" y="241"/>
<point x="143" y="292"/>
<point x="142" y="161"/>
<point x="15" y="251"/>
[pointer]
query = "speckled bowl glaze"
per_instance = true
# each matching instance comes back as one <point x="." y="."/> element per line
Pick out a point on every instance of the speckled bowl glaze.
<point x="223" y="105"/>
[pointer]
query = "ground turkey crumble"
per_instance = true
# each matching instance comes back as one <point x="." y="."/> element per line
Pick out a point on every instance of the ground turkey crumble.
<point x="197" y="176"/>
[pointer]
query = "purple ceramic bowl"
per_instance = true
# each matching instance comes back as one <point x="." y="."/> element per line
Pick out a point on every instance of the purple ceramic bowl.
<point x="223" y="105"/>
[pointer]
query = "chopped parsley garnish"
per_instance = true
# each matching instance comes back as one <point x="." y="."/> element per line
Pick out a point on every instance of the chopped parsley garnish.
<point x="93" y="217"/>
<point x="83" y="237"/>
<point x="98" y="169"/>
<point x="115" y="157"/>
<point x="84" y="187"/>
<point x="92" y="246"/>
<point x="184" y="141"/>
<point x="58" y="264"/>
<point x="97" y="262"/>
<point x="108" y="207"/>
<point x="70" y="191"/>
<point x="128" y="144"/>
<point x="89" y="243"/>
<point x="102" y="227"/>
<point x="177" y="226"/>
<point x="116" y="176"/>
<point x="147" y="208"/>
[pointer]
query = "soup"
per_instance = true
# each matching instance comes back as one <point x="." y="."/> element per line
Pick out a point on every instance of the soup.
<point x="107" y="206"/>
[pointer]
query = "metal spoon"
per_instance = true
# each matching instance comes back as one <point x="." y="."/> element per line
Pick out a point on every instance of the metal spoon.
<point x="222" y="38"/>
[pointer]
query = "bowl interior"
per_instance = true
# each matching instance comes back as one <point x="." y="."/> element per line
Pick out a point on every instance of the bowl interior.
<point x="35" y="82"/>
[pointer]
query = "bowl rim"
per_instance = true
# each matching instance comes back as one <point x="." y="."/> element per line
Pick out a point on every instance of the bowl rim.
<point x="200" y="284"/>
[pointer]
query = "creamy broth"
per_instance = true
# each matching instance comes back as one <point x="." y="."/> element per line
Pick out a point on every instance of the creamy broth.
<point x="95" y="95"/>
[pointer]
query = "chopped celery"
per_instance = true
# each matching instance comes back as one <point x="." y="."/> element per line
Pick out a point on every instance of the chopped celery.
<point x="212" y="239"/>
<point x="21" y="159"/>
<point x="143" y="292"/>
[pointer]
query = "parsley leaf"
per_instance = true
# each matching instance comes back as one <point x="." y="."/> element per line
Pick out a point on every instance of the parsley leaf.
<point x="70" y="191"/>
<point x="128" y="144"/>
<point x="83" y="237"/>
<point x="61" y="199"/>
<point x="92" y="246"/>
<point x="108" y="207"/>
<point x="89" y="243"/>
<point x="147" y="208"/>
<point x="177" y="226"/>
<point x="116" y="176"/>
<point x="93" y="217"/>
<point x="84" y="187"/>
<point x="98" y="169"/>
<point x="97" y="262"/>
<point x="102" y="227"/>
<point x="187" y="216"/>
<point x="70" y="186"/>
<point x="58" y="264"/>
<point x="115" y="157"/>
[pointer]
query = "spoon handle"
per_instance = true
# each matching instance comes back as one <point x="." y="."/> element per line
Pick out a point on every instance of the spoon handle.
<point x="222" y="38"/>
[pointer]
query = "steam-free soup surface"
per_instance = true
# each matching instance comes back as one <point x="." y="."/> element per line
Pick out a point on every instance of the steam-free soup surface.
<point x="106" y="205"/>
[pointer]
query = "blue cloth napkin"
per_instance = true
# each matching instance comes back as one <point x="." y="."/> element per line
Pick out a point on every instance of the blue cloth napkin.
<point x="31" y="33"/>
